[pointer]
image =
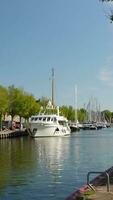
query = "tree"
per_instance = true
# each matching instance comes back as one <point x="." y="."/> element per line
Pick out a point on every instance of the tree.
<point x="3" y="103"/>
<point x="64" y="111"/>
<point x="43" y="102"/>
<point x="107" y="115"/>
<point x="29" y="106"/>
<point x="68" y="112"/>
<point x="82" y="115"/>
<point x="111" y="14"/>
<point x="21" y="103"/>
<point x="14" y="97"/>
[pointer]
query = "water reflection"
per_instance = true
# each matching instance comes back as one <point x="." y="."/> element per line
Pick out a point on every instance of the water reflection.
<point x="51" y="168"/>
<point x="52" y="152"/>
<point x="23" y="158"/>
<point x="15" y="156"/>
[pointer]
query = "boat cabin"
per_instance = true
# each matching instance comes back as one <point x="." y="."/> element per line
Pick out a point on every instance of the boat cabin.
<point x="49" y="119"/>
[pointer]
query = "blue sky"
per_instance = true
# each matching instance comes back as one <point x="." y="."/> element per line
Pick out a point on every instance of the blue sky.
<point x="73" y="37"/>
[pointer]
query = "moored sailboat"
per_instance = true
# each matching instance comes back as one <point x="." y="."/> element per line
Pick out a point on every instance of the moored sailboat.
<point x="75" y="125"/>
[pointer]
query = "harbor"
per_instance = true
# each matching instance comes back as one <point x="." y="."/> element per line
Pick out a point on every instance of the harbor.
<point x="56" y="100"/>
<point x="56" y="165"/>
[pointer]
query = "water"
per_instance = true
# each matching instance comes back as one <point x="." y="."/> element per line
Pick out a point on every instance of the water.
<point x="52" y="168"/>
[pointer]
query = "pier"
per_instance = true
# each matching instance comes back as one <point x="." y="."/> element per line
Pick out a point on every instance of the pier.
<point x="12" y="133"/>
<point x="100" y="188"/>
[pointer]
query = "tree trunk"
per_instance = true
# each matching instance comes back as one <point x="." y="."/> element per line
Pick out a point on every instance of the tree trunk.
<point x="12" y="124"/>
<point x="21" y="126"/>
<point x="0" y="122"/>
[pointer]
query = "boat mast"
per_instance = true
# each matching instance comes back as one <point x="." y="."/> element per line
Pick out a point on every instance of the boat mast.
<point x="76" y="114"/>
<point x="53" y="103"/>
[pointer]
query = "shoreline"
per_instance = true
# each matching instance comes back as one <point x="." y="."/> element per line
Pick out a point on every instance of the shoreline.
<point x="13" y="133"/>
<point x="97" y="184"/>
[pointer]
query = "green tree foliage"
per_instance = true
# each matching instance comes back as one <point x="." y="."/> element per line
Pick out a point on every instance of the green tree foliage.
<point x="107" y="115"/>
<point x="71" y="113"/>
<point x="3" y="100"/>
<point x="111" y="14"/>
<point x="14" y="97"/>
<point x="29" y="106"/>
<point x="21" y="103"/>
<point x="43" y="101"/>
<point x="3" y="103"/>
<point x="64" y="111"/>
<point x="68" y="112"/>
<point x="82" y="115"/>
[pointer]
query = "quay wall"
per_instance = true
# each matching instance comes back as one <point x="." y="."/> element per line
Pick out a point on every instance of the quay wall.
<point x="12" y="133"/>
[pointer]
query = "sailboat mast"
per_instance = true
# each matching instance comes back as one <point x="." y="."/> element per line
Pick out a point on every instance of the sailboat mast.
<point x="53" y="103"/>
<point x="76" y="114"/>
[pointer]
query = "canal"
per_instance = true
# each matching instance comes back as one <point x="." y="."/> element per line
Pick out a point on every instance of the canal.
<point x="52" y="168"/>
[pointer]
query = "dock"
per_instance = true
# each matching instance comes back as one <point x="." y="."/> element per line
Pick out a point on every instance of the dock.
<point x="12" y="133"/>
<point x="101" y="195"/>
<point x="100" y="188"/>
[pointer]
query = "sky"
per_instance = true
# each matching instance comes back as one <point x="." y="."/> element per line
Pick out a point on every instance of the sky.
<point x="73" y="37"/>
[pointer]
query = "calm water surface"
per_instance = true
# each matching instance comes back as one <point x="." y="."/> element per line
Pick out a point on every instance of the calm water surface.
<point x="51" y="168"/>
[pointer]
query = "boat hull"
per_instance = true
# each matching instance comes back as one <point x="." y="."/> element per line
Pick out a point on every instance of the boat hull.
<point x="40" y="130"/>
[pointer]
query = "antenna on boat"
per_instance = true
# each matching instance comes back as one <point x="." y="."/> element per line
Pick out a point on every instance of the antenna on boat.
<point x="53" y="103"/>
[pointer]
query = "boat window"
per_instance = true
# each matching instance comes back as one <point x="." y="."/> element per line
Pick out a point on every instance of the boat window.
<point x="51" y="119"/>
<point x="62" y="123"/>
<point x="54" y="119"/>
<point x="40" y="118"/>
<point x="48" y="119"/>
<point x="36" y="118"/>
<point x="44" y="119"/>
<point x="32" y="118"/>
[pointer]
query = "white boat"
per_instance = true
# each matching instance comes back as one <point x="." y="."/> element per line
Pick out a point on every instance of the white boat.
<point x="44" y="125"/>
